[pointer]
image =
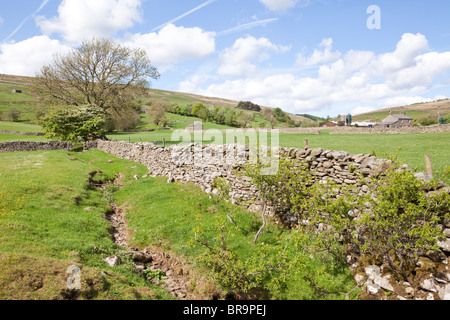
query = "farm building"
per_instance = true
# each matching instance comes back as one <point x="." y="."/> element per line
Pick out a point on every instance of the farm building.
<point x="329" y="124"/>
<point x="397" y="121"/>
<point x="196" y="126"/>
<point x="363" y="124"/>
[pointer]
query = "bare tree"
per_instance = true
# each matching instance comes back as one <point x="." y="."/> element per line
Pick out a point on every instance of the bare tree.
<point x="269" y="115"/>
<point x="100" y="72"/>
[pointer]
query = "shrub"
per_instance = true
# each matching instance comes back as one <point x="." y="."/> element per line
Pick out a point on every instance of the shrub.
<point x="74" y="123"/>
<point x="14" y="114"/>
<point x="398" y="223"/>
<point x="401" y="222"/>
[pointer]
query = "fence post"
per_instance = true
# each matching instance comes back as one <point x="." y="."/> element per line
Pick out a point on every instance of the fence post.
<point x="428" y="165"/>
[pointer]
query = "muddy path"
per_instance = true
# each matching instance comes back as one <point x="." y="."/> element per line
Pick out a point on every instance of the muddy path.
<point x="157" y="266"/>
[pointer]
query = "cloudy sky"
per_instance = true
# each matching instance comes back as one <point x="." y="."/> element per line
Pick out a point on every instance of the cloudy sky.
<point x="323" y="57"/>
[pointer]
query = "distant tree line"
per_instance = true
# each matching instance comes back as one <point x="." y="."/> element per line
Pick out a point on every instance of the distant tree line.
<point x="219" y="115"/>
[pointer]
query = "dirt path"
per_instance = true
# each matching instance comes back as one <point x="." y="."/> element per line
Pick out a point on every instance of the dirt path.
<point x="158" y="267"/>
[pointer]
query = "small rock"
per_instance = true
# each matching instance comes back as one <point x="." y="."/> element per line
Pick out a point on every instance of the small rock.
<point x="372" y="288"/>
<point x="88" y="209"/>
<point x="373" y="271"/>
<point x="444" y="245"/>
<point x="429" y="285"/>
<point x="110" y="161"/>
<point x="423" y="176"/>
<point x="444" y="292"/>
<point x="384" y="282"/>
<point x="112" y="261"/>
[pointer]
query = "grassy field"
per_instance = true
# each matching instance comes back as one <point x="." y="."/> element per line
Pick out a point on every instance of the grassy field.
<point x="45" y="227"/>
<point x="409" y="148"/>
<point x="19" y="126"/>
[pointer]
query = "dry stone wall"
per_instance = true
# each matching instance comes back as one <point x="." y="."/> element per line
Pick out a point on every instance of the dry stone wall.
<point x="34" y="146"/>
<point x="366" y="130"/>
<point x="183" y="163"/>
<point x="180" y="163"/>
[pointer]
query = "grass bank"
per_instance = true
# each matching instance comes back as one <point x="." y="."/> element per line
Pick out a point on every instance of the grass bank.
<point x="51" y="219"/>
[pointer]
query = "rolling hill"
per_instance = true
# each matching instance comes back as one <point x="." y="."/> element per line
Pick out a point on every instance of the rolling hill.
<point x="23" y="101"/>
<point x="418" y="111"/>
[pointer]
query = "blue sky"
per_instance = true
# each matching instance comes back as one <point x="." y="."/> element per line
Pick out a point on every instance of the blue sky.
<point x="304" y="56"/>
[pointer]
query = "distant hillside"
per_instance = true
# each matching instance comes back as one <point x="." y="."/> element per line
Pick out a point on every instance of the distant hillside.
<point x="9" y="82"/>
<point x="418" y="111"/>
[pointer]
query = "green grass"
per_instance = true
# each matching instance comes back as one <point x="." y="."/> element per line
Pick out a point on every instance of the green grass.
<point x="20" y="101"/>
<point x="166" y="215"/>
<point x="4" y="137"/>
<point x="19" y="126"/>
<point x="380" y="116"/>
<point x="44" y="228"/>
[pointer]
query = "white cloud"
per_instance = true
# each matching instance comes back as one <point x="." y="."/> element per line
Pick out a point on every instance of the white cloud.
<point x="319" y="56"/>
<point x="78" y="20"/>
<point x="283" y="5"/>
<point x="355" y="78"/>
<point x="1" y="20"/>
<point x="27" y="57"/>
<point x="239" y="60"/>
<point x="174" y="44"/>
<point x="403" y="101"/>
<point x="360" y="110"/>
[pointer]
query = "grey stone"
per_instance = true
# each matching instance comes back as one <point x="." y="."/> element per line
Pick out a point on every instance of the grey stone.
<point x="423" y="176"/>
<point x="429" y="285"/>
<point x="372" y="271"/>
<point x="112" y="261"/>
<point x="444" y="292"/>
<point x="444" y="245"/>
<point x="384" y="282"/>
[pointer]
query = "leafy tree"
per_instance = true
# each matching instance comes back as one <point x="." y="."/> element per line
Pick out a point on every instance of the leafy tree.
<point x="74" y="123"/>
<point x="100" y="72"/>
<point x="280" y="115"/>
<point x="250" y="106"/>
<point x="200" y="111"/>
<point x="157" y="114"/>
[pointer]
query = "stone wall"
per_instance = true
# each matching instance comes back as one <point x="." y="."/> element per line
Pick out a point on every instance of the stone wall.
<point x="374" y="130"/>
<point x="180" y="163"/>
<point x="203" y="164"/>
<point x="23" y="133"/>
<point x="33" y="146"/>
